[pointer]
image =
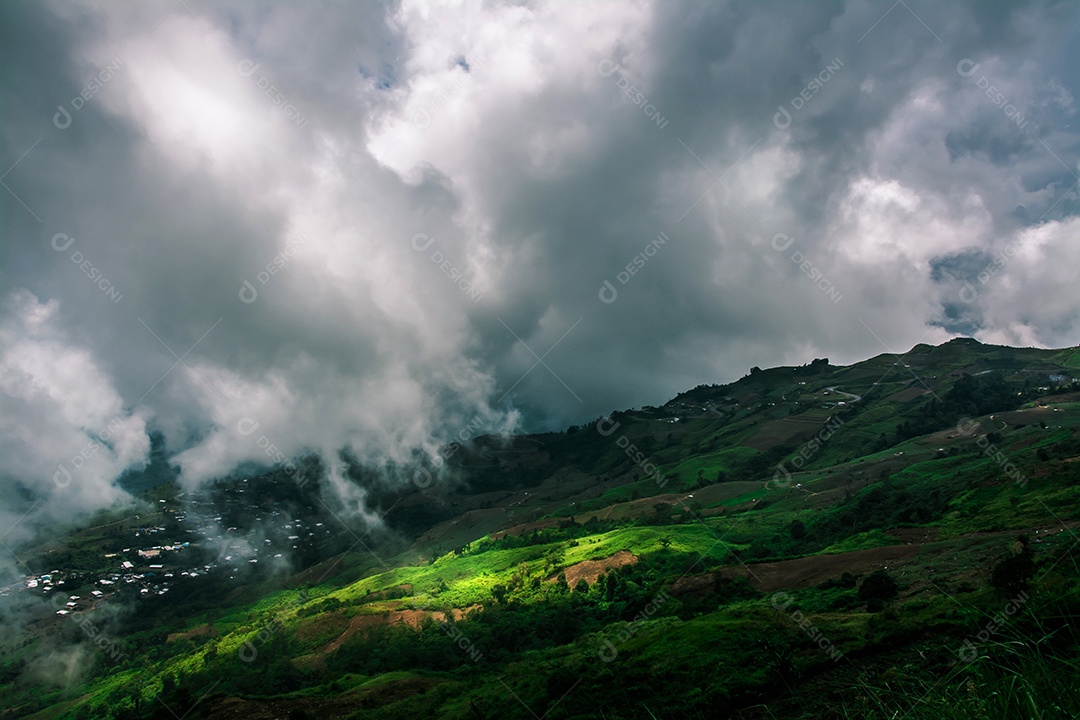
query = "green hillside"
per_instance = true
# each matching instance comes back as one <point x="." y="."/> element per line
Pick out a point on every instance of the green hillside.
<point x="895" y="538"/>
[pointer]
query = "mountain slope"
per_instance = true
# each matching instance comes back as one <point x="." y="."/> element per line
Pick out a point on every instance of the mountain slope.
<point x="894" y="536"/>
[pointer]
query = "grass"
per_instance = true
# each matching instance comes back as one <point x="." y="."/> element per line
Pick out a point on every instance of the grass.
<point x="1014" y="677"/>
<point x="862" y="541"/>
<point x="727" y="647"/>
<point x="710" y="463"/>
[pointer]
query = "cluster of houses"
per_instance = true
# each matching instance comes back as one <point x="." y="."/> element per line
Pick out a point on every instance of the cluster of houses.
<point x="152" y="564"/>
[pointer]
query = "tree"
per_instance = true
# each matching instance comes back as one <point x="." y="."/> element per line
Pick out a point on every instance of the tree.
<point x="582" y="587"/>
<point x="1014" y="573"/>
<point x="610" y="586"/>
<point x="797" y="529"/>
<point x="877" y="588"/>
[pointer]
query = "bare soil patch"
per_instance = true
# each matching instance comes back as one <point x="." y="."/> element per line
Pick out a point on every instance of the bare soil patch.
<point x="198" y="631"/>
<point x="809" y="571"/>
<point x="525" y="528"/>
<point x="412" y="618"/>
<point x="786" y="431"/>
<point x="907" y="394"/>
<point x="591" y="570"/>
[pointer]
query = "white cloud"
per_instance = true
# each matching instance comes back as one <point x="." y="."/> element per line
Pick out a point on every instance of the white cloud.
<point x="65" y="433"/>
<point x="537" y="177"/>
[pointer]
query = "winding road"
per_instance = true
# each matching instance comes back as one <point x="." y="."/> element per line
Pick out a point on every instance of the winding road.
<point x="853" y="396"/>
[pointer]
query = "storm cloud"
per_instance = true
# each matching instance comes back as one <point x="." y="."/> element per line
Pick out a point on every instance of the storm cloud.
<point x="365" y="227"/>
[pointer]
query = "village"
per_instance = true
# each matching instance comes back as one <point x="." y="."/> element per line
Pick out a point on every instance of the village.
<point x="221" y="537"/>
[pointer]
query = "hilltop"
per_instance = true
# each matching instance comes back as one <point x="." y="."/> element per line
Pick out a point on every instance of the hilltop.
<point x="897" y="537"/>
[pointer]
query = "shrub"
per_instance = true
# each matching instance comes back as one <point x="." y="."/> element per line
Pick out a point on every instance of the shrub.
<point x="876" y="589"/>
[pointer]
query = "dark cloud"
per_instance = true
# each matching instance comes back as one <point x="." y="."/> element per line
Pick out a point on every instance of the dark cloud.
<point x="367" y="227"/>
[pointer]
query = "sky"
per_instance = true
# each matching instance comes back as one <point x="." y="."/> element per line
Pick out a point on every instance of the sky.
<point x="270" y="229"/>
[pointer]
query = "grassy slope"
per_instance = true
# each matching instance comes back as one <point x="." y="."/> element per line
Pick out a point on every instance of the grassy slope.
<point x="727" y="643"/>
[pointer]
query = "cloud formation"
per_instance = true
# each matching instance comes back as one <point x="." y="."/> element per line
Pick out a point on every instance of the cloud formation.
<point x="366" y="227"/>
